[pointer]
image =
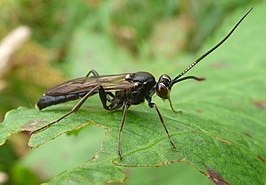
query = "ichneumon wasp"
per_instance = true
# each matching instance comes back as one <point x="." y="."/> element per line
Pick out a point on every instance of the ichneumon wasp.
<point x="121" y="90"/>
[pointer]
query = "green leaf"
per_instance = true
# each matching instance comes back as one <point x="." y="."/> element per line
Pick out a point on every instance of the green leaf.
<point x="91" y="174"/>
<point x="220" y="132"/>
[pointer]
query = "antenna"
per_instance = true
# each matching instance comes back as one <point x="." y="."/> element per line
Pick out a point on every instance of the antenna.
<point x="211" y="50"/>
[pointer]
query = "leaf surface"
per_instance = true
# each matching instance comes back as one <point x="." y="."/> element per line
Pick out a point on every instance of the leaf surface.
<point x="220" y="132"/>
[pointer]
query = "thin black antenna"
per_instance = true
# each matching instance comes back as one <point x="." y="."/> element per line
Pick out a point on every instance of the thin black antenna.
<point x="211" y="50"/>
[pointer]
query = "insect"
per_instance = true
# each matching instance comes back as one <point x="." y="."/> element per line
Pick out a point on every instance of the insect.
<point x="121" y="90"/>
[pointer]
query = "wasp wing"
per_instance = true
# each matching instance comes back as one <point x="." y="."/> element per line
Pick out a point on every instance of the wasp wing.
<point x="85" y="84"/>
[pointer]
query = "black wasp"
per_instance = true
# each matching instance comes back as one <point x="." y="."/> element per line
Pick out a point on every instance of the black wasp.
<point x="120" y="90"/>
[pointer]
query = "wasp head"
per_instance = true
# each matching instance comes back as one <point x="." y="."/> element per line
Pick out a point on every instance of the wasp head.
<point x="163" y="87"/>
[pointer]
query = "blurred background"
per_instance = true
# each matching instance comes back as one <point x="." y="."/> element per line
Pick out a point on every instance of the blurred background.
<point x="45" y="42"/>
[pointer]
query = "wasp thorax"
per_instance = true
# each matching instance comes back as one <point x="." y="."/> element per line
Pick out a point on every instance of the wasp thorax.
<point x="163" y="86"/>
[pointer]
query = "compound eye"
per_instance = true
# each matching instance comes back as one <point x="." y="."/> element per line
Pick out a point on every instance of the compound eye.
<point x="162" y="91"/>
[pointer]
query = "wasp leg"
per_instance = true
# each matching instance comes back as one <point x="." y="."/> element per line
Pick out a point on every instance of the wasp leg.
<point x="74" y="109"/>
<point x="153" y="105"/>
<point x="103" y="97"/>
<point x="110" y="96"/>
<point x="120" y="131"/>
<point x="115" y="104"/>
<point x="94" y="72"/>
<point x="171" y="105"/>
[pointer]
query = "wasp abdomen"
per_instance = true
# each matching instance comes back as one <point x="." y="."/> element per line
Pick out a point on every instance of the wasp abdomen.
<point x="48" y="100"/>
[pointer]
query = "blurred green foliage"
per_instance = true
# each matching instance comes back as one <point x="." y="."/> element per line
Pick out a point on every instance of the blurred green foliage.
<point x="123" y="32"/>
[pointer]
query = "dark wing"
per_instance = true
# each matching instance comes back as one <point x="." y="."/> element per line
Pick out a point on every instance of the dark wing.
<point x="79" y="85"/>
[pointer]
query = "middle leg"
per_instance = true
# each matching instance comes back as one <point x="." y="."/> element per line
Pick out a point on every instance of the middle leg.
<point x="105" y="96"/>
<point x="153" y="105"/>
<point x="125" y="108"/>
